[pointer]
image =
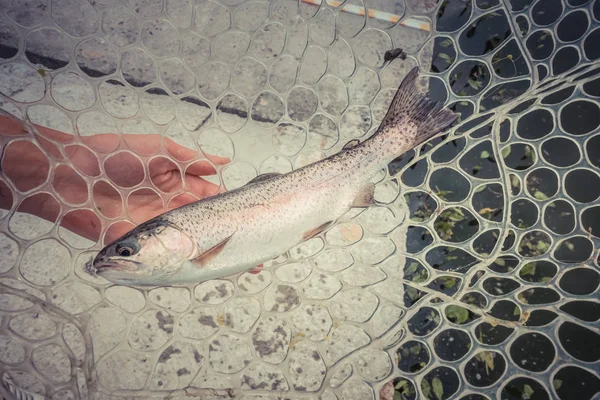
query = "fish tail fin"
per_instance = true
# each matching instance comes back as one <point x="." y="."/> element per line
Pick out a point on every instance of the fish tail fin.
<point x="416" y="109"/>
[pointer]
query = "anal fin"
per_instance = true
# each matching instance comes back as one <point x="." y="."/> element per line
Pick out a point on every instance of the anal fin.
<point x="211" y="253"/>
<point x="365" y="196"/>
<point x="314" y="232"/>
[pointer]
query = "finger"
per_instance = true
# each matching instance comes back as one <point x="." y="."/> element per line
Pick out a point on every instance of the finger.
<point x="201" y="168"/>
<point x="217" y="159"/>
<point x="179" y="152"/>
<point x="205" y="168"/>
<point x="182" y="153"/>
<point x="201" y="187"/>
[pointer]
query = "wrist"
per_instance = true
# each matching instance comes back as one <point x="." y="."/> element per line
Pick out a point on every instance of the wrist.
<point x="24" y="164"/>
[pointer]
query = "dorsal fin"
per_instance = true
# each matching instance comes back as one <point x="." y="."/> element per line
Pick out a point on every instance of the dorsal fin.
<point x="264" y="177"/>
<point x="351" y="144"/>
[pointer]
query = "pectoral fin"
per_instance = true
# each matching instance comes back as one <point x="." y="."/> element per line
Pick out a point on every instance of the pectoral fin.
<point x="365" y="196"/>
<point x="257" y="269"/>
<point x="314" y="232"/>
<point x="211" y="253"/>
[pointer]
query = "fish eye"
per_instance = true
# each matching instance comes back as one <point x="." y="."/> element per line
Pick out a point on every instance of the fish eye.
<point x="124" y="251"/>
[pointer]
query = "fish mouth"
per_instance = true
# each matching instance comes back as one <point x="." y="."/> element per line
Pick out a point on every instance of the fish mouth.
<point x="118" y="265"/>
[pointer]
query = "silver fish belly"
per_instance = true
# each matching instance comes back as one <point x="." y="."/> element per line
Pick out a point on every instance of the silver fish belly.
<point x="237" y="230"/>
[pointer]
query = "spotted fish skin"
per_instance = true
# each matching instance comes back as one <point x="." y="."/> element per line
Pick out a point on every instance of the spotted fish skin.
<point x="239" y="229"/>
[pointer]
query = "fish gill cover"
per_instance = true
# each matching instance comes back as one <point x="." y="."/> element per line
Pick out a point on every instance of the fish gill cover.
<point x="474" y="276"/>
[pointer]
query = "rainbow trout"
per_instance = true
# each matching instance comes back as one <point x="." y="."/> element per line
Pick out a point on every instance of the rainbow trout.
<point x="240" y="229"/>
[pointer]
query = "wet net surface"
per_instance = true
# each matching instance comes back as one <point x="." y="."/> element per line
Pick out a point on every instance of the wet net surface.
<point x="474" y="276"/>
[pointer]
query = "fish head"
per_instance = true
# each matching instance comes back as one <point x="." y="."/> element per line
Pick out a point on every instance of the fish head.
<point x="146" y="256"/>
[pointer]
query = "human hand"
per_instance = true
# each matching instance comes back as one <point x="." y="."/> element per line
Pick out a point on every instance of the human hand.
<point x="125" y="189"/>
<point x="180" y="182"/>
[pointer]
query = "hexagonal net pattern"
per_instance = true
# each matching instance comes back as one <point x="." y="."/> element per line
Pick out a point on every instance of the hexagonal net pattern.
<point x="473" y="276"/>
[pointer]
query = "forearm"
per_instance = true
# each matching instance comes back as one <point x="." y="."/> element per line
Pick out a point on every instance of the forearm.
<point x="26" y="167"/>
<point x="24" y="164"/>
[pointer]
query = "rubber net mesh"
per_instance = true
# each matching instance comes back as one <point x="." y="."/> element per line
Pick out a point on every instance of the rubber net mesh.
<point x="474" y="276"/>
